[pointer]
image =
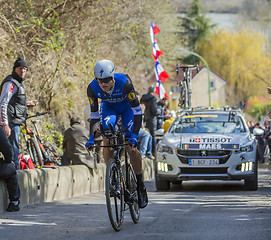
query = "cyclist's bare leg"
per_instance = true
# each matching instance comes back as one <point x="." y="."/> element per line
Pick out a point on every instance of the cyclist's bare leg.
<point x="136" y="159"/>
<point x="107" y="152"/>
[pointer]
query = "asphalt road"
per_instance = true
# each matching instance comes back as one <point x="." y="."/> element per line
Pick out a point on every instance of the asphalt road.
<point x="197" y="210"/>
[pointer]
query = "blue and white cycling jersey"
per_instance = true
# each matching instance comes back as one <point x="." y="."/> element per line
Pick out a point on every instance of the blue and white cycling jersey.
<point x="121" y="102"/>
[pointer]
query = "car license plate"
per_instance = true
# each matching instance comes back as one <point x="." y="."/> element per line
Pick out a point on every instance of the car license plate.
<point x="203" y="162"/>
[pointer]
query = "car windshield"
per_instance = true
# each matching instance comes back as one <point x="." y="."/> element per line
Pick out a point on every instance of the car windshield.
<point x="208" y="123"/>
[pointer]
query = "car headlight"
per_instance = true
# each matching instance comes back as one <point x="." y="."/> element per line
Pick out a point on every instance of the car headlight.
<point x="165" y="149"/>
<point x="247" y="148"/>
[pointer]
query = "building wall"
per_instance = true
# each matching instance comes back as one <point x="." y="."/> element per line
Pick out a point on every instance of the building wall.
<point x="200" y="90"/>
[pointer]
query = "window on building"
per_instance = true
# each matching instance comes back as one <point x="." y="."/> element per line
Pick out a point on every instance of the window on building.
<point x="212" y="84"/>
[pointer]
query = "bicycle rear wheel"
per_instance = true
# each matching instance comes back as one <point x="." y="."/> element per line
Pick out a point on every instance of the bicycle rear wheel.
<point x="185" y="95"/>
<point x="114" y="191"/>
<point x="35" y="152"/>
<point x="52" y="152"/>
<point x="132" y="186"/>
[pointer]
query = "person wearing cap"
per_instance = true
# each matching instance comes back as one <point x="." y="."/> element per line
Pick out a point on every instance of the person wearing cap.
<point x="14" y="105"/>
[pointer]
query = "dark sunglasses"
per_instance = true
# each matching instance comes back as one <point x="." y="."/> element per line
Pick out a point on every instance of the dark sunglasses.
<point x="104" y="80"/>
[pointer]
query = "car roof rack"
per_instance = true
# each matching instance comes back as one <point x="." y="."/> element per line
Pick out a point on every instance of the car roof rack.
<point x="200" y="108"/>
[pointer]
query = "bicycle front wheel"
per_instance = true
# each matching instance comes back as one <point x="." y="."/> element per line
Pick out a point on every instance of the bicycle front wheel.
<point x="114" y="191"/>
<point x="132" y="186"/>
<point x="35" y="152"/>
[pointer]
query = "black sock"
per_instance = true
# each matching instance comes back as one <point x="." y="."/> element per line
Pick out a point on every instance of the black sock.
<point x="140" y="182"/>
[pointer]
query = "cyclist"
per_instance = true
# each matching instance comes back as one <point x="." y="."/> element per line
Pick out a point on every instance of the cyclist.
<point x="118" y="98"/>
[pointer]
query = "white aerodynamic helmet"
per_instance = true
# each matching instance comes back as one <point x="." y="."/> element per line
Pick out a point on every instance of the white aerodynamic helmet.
<point x="104" y="69"/>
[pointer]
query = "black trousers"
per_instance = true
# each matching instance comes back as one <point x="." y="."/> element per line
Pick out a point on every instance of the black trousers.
<point x="8" y="170"/>
<point x="8" y="173"/>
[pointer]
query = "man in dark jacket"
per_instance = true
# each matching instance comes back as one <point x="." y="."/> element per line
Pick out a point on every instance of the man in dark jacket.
<point x="13" y="105"/>
<point x="74" y="149"/>
<point x="162" y="105"/>
<point x="150" y="113"/>
<point x="8" y="172"/>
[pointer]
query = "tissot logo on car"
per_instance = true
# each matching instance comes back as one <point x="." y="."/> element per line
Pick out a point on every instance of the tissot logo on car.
<point x="210" y="140"/>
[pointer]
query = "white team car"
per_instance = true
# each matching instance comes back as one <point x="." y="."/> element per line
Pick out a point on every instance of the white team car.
<point x="207" y="144"/>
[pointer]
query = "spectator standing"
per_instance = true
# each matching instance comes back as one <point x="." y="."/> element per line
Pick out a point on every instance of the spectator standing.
<point x="74" y="151"/>
<point x="268" y="135"/>
<point x="8" y="172"/>
<point x="260" y="141"/>
<point x="14" y="105"/>
<point x="150" y="113"/>
<point x="162" y="105"/>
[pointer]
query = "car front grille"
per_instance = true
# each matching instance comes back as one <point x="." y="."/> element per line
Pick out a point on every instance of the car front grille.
<point x="222" y="155"/>
<point x="204" y="170"/>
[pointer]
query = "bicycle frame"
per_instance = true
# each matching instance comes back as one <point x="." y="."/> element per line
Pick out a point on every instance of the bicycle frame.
<point x="42" y="147"/>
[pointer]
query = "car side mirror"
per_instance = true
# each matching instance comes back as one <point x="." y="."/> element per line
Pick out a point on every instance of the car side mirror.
<point x="258" y="132"/>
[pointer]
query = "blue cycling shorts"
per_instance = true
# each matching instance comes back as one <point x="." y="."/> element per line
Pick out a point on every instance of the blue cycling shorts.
<point x="110" y="113"/>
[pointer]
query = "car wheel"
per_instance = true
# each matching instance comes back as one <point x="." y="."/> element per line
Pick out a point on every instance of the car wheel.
<point x="252" y="183"/>
<point x="162" y="185"/>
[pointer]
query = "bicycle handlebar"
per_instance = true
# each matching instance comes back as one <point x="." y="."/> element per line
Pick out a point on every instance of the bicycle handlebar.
<point x="186" y="67"/>
<point x="37" y="115"/>
<point x="111" y="146"/>
<point x="112" y="133"/>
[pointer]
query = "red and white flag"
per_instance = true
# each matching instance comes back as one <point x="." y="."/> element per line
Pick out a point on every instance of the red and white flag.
<point x="156" y="52"/>
<point x="160" y="90"/>
<point x="160" y="73"/>
<point x="153" y="30"/>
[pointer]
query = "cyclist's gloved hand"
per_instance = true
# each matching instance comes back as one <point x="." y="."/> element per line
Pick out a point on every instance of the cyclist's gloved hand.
<point x="133" y="140"/>
<point x="90" y="143"/>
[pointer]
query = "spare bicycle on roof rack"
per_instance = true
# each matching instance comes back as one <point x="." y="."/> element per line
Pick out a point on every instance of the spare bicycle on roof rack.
<point x="185" y="84"/>
<point x="43" y="153"/>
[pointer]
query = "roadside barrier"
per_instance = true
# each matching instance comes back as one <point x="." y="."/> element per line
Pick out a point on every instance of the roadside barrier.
<point x="54" y="184"/>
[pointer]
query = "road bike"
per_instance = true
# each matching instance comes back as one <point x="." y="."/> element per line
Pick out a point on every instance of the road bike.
<point x="185" y="85"/>
<point x="42" y="153"/>
<point x="120" y="183"/>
